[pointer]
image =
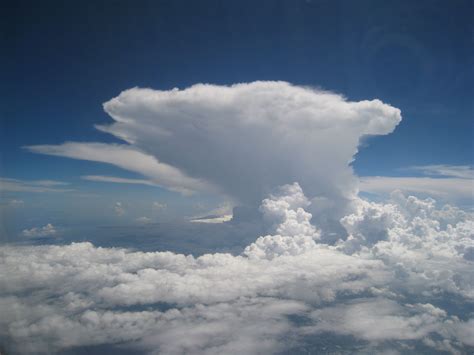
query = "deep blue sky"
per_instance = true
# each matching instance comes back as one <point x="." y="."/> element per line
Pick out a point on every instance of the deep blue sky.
<point x="64" y="59"/>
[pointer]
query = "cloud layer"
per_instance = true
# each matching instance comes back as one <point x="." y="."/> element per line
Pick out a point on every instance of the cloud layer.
<point x="402" y="281"/>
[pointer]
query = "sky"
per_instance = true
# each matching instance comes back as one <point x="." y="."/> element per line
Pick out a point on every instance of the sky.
<point x="296" y="141"/>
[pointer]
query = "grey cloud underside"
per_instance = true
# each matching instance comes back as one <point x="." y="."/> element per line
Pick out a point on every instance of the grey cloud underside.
<point x="403" y="280"/>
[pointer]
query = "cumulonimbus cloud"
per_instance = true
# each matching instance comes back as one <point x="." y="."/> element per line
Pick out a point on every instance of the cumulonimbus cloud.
<point x="244" y="140"/>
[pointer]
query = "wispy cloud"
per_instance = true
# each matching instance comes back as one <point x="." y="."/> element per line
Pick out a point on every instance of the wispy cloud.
<point x="212" y="219"/>
<point x="16" y="185"/>
<point x="451" y="182"/>
<point x="128" y="158"/>
<point x="454" y="188"/>
<point x="457" y="171"/>
<point x="50" y="183"/>
<point x="118" y="180"/>
<point x="16" y="203"/>
<point x="221" y="214"/>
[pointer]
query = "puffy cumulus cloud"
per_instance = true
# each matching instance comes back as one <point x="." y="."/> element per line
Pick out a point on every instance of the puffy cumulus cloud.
<point x="244" y="140"/>
<point x="428" y="248"/>
<point x="46" y="231"/>
<point x="402" y="280"/>
<point x="291" y="223"/>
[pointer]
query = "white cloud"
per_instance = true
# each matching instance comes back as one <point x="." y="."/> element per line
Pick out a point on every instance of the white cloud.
<point x="212" y="219"/>
<point x="159" y="205"/>
<point x="220" y="214"/>
<point x="16" y="203"/>
<point x="379" y="319"/>
<point x="244" y="139"/>
<point x="118" y="180"/>
<point x="458" y="171"/>
<point x="399" y="275"/>
<point x="402" y="278"/>
<point x="143" y="220"/>
<point x="49" y="183"/>
<point x="16" y="185"/>
<point x="46" y="231"/>
<point x="128" y="158"/>
<point x="289" y="221"/>
<point x="451" y="183"/>
<point x="454" y="189"/>
<point x="119" y="209"/>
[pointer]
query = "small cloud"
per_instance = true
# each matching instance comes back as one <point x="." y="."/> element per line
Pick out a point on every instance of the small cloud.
<point x="119" y="209"/>
<point x="16" y="203"/>
<point x="46" y="231"/>
<point x="159" y="206"/>
<point x="50" y="183"/>
<point x="143" y="220"/>
<point x="212" y="219"/>
<point x="221" y="214"/>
